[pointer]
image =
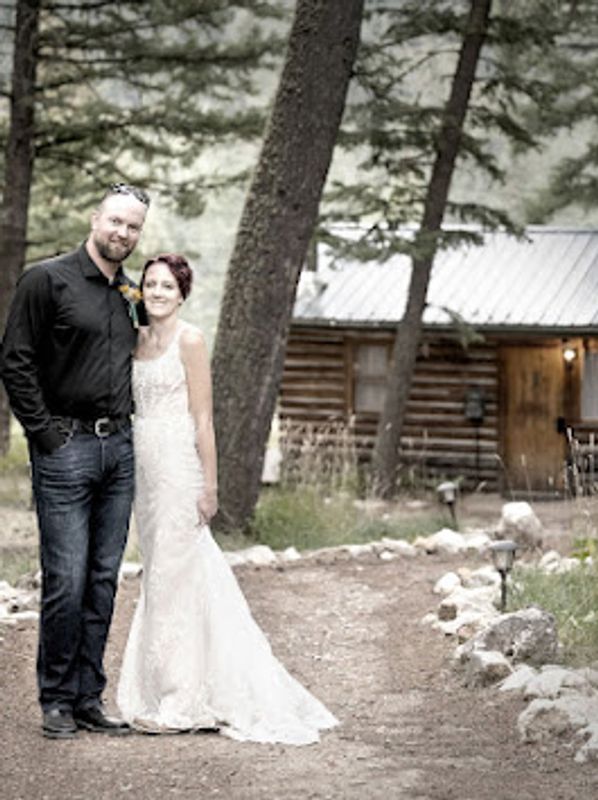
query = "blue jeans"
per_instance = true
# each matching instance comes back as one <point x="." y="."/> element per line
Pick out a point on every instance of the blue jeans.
<point x="83" y="493"/>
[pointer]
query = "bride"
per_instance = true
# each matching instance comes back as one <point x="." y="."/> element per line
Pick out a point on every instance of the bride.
<point x="195" y="658"/>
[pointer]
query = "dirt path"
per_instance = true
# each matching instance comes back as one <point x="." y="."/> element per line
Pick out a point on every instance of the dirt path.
<point x="350" y="630"/>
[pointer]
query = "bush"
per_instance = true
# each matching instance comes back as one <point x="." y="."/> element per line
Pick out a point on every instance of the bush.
<point x="573" y="599"/>
<point x="307" y="519"/>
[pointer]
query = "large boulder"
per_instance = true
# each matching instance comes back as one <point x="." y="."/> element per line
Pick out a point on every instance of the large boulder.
<point x="529" y="635"/>
<point x="520" y="523"/>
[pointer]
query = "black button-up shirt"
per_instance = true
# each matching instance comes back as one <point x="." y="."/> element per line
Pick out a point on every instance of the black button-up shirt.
<point x="67" y="346"/>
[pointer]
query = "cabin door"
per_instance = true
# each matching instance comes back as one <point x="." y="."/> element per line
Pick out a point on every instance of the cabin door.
<point x="532" y="400"/>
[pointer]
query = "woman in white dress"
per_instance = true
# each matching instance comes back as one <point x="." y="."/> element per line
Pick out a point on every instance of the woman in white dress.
<point x="195" y="657"/>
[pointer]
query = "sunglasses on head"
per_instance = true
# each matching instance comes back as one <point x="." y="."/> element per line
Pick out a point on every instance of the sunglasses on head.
<point x="126" y="188"/>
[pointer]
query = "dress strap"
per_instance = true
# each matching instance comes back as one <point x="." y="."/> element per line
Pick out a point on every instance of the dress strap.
<point x="173" y="349"/>
<point x="174" y="342"/>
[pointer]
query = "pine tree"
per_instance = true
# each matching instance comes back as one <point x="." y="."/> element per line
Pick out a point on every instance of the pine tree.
<point x="272" y="242"/>
<point x="572" y="69"/>
<point x="396" y="107"/>
<point x="386" y="450"/>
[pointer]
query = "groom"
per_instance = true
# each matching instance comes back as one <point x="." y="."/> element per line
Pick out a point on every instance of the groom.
<point x="66" y="364"/>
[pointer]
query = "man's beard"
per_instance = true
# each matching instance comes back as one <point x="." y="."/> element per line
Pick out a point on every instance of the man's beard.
<point x="112" y="252"/>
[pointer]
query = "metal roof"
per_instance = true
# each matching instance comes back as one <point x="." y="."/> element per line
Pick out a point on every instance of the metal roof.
<point x="547" y="280"/>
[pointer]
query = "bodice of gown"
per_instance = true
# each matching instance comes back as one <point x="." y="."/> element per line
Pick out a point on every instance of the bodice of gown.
<point x="159" y="385"/>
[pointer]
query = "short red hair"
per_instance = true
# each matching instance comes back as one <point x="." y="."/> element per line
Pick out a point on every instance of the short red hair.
<point x="178" y="265"/>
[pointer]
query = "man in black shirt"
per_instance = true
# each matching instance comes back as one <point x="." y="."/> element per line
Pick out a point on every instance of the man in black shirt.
<point x="66" y="366"/>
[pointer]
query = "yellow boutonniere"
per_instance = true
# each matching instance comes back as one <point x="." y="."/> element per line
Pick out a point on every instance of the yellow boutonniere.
<point x="132" y="295"/>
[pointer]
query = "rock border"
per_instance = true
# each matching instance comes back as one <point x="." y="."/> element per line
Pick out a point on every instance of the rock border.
<point x="514" y="653"/>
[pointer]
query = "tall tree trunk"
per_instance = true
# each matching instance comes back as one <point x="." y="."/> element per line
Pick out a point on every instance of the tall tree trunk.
<point x="18" y="171"/>
<point x="272" y="240"/>
<point x="387" y="447"/>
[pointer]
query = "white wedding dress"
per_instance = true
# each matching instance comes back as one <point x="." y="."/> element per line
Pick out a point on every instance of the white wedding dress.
<point x="195" y="657"/>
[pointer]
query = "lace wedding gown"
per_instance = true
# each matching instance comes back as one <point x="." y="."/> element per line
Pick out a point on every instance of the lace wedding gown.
<point x="195" y="657"/>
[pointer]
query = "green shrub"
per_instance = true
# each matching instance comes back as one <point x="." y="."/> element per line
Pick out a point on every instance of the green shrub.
<point x="305" y="518"/>
<point x="573" y="599"/>
<point x="298" y="516"/>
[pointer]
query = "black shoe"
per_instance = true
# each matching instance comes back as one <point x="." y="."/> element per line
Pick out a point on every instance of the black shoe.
<point x="93" y="719"/>
<point x="58" y="724"/>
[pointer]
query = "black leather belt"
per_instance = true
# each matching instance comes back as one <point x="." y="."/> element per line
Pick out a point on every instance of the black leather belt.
<point x="101" y="427"/>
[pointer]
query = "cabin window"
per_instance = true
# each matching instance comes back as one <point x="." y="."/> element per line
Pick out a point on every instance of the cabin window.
<point x="589" y="386"/>
<point x="370" y="371"/>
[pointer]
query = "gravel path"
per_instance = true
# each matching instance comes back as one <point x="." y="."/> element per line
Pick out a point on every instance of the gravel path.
<point x="350" y="630"/>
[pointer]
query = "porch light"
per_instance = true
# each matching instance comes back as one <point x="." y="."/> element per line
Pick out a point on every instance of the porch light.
<point x="503" y="556"/>
<point x="569" y="354"/>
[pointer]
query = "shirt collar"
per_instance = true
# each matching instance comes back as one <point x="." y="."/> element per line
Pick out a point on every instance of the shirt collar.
<point x="91" y="270"/>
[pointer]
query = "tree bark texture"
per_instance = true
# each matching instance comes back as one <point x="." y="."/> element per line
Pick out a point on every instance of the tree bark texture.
<point x="272" y="241"/>
<point x="386" y="457"/>
<point x="18" y="171"/>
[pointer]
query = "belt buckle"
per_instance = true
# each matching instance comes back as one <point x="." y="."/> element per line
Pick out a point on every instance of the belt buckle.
<point x="101" y="427"/>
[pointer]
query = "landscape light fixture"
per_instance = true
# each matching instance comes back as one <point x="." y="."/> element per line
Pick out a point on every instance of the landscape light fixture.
<point x="447" y="492"/>
<point x="503" y="556"/>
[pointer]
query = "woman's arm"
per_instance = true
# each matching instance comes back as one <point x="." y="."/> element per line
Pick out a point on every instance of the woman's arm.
<point x="194" y="355"/>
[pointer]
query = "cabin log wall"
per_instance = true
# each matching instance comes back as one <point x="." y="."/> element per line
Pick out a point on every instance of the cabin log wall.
<point x="438" y="441"/>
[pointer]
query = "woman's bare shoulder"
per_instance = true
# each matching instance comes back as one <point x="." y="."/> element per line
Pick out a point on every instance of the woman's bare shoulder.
<point x="192" y="339"/>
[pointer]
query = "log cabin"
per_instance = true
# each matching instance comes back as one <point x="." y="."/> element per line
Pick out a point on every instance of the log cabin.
<point x="505" y="392"/>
